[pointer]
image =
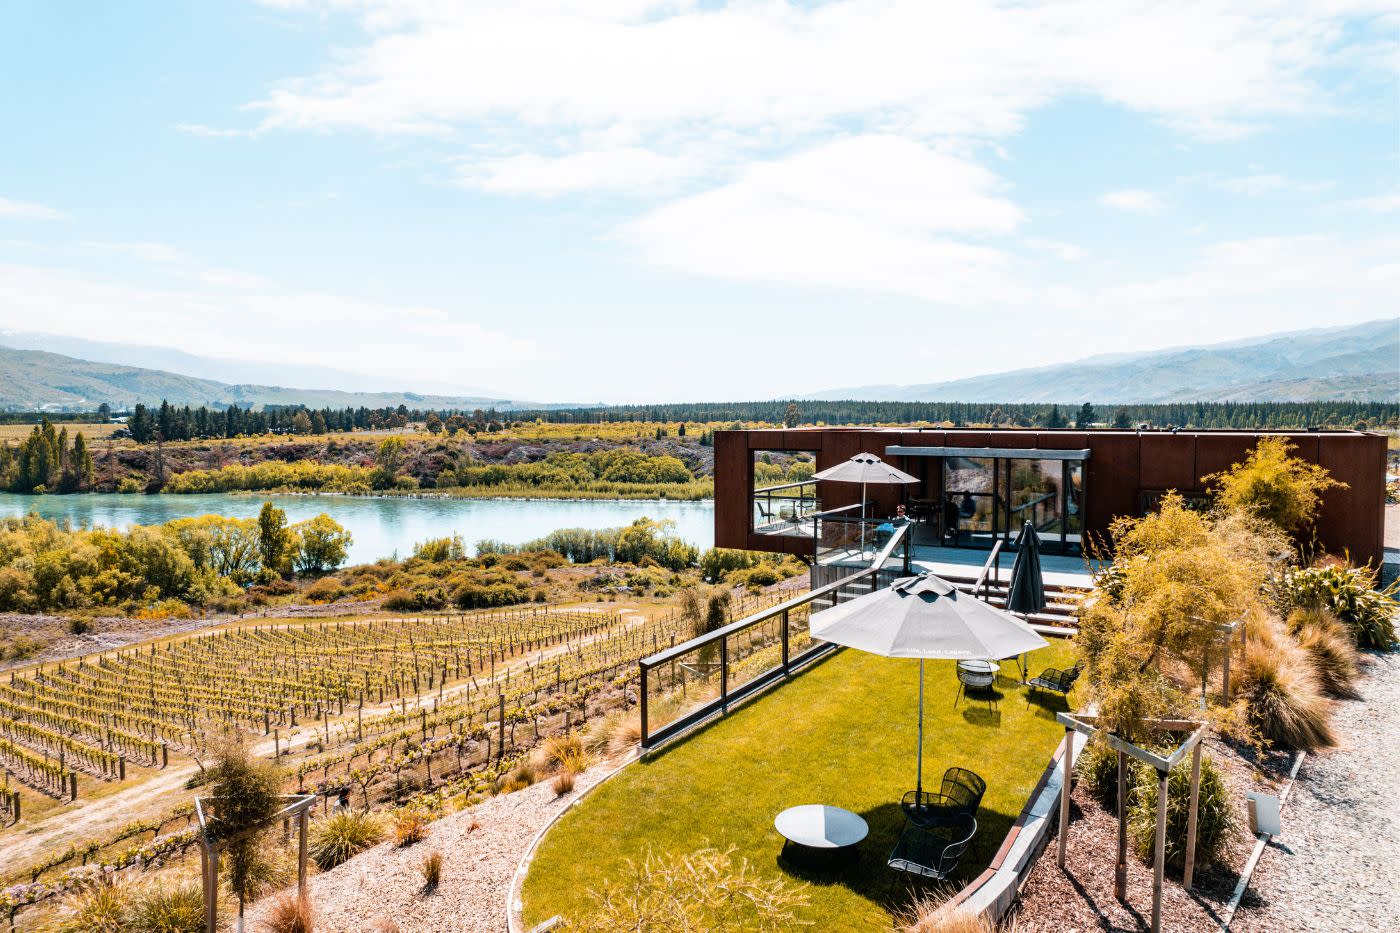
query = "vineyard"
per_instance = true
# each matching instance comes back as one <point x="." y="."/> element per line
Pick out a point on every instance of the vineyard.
<point x="382" y="709"/>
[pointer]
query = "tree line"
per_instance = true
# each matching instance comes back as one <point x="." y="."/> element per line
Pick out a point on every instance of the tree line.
<point x="47" y="461"/>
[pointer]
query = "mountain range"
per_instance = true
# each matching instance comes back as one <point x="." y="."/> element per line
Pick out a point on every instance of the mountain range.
<point x="37" y="379"/>
<point x="1358" y="362"/>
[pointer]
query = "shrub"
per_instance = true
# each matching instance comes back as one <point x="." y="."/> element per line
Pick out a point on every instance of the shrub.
<point x="704" y="890"/>
<point x="1098" y="769"/>
<point x="165" y="908"/>
<point x="431" y="869"/>
<point x="1329" y="649"/>
<point x="1271" y="484"/>
<point x="1214" y="818"/>
<point x="1283" y="699"/>
<point x="410" y="826"/>
<point x="567" y="753"/>
<point x="324" y="590"/>
<point x="343" y="835"/>
<point x="291" y="914"/>
<point x="100" y="906"/>
<point x="1351" y="594"/>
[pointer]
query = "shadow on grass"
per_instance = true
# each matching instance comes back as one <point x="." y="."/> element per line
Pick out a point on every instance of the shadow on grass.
<point x="866" y="872"/>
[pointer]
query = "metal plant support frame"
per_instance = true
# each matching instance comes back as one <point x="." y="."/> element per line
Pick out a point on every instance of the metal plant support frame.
<point x="299" y="807"/>
<point x="1088" y="725"/>
<point x="651" y="738"/>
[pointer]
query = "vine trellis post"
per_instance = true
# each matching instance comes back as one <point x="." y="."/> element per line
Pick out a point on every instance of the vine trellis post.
<point x="1195" y="731"/>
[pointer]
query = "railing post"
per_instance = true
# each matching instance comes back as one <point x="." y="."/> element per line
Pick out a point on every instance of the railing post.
<point x="645" y="735"/>
<point x="724" y="673"/>
<point x="786" y="649"/>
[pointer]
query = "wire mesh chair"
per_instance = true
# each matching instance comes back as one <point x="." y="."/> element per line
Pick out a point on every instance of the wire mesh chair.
<point x="1053" y="680"/>
<point x="959" y="795"/>
<point x="933" y="852"/>
<point x="970" y="681"/>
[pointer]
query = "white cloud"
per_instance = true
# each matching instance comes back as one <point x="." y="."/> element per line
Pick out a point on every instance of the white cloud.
<point x="397" y="343"/>
<point x="627" y="169"/>
<point x="1068" y="252"/>
<point x="1133" y="199"/>
<point x="28" y="210"/>
<point x="874" y="212"/>
<point x="783" y="69"/>
<point x="1381" y="204"/>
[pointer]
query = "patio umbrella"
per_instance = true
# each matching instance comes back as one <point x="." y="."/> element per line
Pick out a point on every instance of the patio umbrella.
<point x="1025" y="594"/>
<point x="866" y="469"/>
<point x="925" y="617"/>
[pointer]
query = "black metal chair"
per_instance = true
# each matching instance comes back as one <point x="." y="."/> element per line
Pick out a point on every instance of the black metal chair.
<point x="980" y="682"/>
<point x="959" y="795"/>
<point x="1054" y="680"/>
<point x="933" y="852"/>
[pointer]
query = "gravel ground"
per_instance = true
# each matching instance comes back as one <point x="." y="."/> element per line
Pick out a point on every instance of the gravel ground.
<point x="480" y="850"/>
<point x="1337" y="865"/>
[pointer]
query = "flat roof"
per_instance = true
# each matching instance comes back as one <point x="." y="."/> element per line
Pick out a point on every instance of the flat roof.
<point x="1020" y="453"/>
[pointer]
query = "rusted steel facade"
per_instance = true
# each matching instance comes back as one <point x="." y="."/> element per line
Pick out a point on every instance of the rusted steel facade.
<point x="1122" y="472"/>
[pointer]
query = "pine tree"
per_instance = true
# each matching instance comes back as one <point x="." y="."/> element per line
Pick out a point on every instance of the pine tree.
<point x="1087" y="416"/>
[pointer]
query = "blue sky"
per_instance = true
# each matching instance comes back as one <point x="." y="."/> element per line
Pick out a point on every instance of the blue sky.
<point x="626" y="200"/>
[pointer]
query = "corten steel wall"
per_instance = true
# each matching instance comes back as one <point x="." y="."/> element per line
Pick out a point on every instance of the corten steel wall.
<point x="1122" y="466"/>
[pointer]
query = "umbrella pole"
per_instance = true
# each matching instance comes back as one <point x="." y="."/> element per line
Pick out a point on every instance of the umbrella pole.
<point x="862" y="521"/>
<point x="919" y="775"/>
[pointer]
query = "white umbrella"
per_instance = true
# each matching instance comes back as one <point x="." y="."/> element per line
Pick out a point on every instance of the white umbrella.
<point x="864" y="469"/>
<point x="925" y="617"/>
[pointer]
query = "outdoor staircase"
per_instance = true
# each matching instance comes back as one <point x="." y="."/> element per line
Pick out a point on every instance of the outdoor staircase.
<point x="1061" y="602"/>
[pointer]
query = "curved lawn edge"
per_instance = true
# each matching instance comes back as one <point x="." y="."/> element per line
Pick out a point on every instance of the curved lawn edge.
<point x="515" y="904"/>
<point x="992" y="892"/>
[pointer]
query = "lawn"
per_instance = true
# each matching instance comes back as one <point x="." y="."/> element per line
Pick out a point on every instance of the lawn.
<point x="843" y="733"/>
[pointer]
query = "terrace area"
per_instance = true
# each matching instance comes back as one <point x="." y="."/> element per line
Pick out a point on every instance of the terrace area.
<point x="842" y="733"/>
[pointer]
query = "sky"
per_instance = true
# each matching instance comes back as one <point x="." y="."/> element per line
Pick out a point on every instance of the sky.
<point x="631" y="200"/>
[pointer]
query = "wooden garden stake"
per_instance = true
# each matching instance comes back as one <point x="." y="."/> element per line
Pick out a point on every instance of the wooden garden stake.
<point x="1191" y="816"/>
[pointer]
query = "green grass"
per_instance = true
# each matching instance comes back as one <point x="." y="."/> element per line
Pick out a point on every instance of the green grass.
<point x="843" y="733"/>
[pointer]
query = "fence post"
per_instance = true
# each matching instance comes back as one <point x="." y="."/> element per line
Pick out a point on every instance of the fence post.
<point x="786" y="650"/>
<point x="724" y="673"/>
<point x="643" y="697"/>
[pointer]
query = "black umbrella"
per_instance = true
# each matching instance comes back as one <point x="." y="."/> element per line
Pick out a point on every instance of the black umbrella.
<point x="1025" y="594"/>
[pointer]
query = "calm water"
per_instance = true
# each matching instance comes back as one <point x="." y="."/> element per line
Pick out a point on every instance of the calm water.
<point x="381" y="526"/>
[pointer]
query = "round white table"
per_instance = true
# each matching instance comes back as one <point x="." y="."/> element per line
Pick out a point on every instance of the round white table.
<point x="979" y="667"/>
<point x="817" y="826"/>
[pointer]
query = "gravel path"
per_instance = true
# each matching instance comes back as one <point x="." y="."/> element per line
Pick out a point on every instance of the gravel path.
<point x="480" y="850"/>
<point x="1337" y="864"/>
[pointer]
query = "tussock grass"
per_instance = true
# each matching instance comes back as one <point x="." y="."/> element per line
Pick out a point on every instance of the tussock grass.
<point x="1330" y="649"/>
<point x="101" y="906"/>
<point x="167" y="908"/>
<point x="410" y="826"/>
<point x="1281" y="691"/>
<point x="431" y="870"/>
<point x="563" y="782"/>
<point x="343" y="835"/>
<point x="932" y="913"/>
<point x="290" y="914"/>
<point x="1214" y="818"/>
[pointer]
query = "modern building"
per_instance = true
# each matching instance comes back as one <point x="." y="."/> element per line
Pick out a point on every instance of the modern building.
<point x="975" y="487"/>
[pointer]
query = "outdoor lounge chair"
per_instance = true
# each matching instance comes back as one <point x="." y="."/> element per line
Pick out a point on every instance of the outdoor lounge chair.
<point x="1053" y="679"/>
<point x="970" y="682"/>
<point x="933" y="852"/>
<point x="960" y="795"/>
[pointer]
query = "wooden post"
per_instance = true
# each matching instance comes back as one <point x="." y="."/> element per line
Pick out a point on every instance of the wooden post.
<point x="302" y="820"/>
<point x="1191" y="817"/>
<point x="1159" y="852"/>
<point x="1225" y="685"/>
<point x="1064" y="796"/>
<point x="1120" y="866"/>
<point x="211" y="917"/>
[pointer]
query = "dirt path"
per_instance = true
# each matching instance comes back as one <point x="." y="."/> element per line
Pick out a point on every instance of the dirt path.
<point x="96" y="817"/>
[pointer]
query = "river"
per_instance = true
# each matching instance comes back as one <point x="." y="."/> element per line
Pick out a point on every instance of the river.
<point x="381" y="526"/>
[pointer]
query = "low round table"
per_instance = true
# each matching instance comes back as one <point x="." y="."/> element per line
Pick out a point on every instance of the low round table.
<point x="979" y="667"/>
<point x="816" y="828"/>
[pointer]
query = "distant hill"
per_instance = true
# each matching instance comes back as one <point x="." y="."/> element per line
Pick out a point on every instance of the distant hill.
<point x="36" y="379"/>
<point x="1354" y="363"/>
